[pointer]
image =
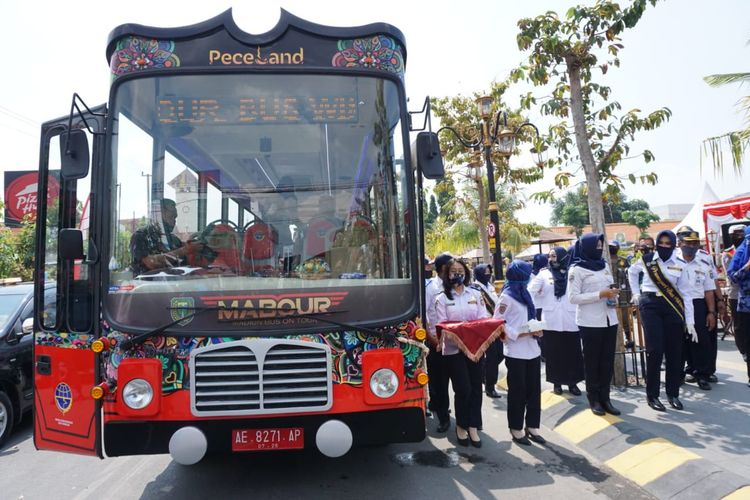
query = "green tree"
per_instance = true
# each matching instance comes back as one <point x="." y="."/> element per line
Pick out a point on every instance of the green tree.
<point x="432" y="212"/>
<point x="736" y="142"/>
<point x="641" y="219"/>
<point x="572" y="199"/>
<point x="446" y="194"/>
<point x="567" y="54"/>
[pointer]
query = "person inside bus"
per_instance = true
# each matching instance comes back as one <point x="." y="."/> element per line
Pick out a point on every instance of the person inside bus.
<point x="155" y="246"/>
<point x="284" y="218"/>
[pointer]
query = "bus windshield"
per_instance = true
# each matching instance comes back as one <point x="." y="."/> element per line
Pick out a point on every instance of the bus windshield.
<point x="263" y="196"/>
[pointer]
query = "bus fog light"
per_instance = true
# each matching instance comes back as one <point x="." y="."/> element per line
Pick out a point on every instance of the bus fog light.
<point x="137" y="394"/>
<point x="384" y="383"/>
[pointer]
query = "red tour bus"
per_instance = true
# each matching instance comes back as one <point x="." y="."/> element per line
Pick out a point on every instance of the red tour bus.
<point x="249" y="277"/>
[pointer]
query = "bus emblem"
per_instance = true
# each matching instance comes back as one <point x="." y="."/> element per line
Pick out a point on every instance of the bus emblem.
<point x="63" y="397"/>
<point x="176" y="309"/>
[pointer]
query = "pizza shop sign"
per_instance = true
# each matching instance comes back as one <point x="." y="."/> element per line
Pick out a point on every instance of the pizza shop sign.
<point x="21" y="195"/>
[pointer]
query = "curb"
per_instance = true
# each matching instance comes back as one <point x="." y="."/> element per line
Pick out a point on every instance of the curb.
<point x="657" y="465"/>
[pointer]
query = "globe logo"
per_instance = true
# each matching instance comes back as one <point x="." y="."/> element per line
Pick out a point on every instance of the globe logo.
<point x="63" y="397"/>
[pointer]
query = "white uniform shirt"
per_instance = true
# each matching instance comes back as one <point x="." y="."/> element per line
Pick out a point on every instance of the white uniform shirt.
<point x="516" y="318"/>
<point x="433" y="289"/>
<point x="675" y="271"/>
<point x="465" y="306"/>
<point x="700" y="273"/>
<point x="557" y="312"/>
<point x="584" y="286"/>
<point x="489" y="288"/>
<point x="726" y="259"/>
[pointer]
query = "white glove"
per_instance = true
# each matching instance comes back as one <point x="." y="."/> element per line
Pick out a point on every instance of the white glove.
<point x="636" y="299"/>
<point x="693" y="333"/>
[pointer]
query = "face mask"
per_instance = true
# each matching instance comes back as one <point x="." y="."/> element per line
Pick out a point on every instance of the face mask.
<point x="689" y="252"/>
<point x="596" y="254"/>
<point x="737" y="240"/>
<point x="554" y="264"/>
<point x="664" y="252"/>
<point x="457" y="279"/>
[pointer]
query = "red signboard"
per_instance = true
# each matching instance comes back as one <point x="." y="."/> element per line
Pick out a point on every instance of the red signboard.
<point x="21" y="195"/>
<point x="289" y="438"/>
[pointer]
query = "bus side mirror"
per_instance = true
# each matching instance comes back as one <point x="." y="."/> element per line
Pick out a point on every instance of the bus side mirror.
<point x="74" y="154"/>
<point x="426" y="155"/>
<point x="70" y="244"/>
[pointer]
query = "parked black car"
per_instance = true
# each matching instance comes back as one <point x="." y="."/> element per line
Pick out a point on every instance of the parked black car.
<point x="16" y="344"/>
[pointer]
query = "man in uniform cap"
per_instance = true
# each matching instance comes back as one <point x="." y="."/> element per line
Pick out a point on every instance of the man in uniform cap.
<point x="699" y="352"/>
<point x="737" y="235"/>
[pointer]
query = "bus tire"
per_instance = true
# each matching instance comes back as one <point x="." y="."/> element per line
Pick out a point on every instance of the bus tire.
<point x="7" y="418"/>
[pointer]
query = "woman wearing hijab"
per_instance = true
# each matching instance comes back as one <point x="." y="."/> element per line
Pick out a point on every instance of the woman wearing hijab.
<point x="458" y="302"/>
<point x="494" y="354"/>
<point x="540" y="262"/>
<point x="591" y="289"/>
<point x="739" y="272"/>
<point x="561" y="342"/>
<point x="522" y="355"/>
<point x="664" y="315"/>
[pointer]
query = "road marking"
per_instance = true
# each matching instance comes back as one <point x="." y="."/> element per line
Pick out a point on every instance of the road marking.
<point x="584" y="425"/>
<point x="732" y="365"/>
<point x="650" y="460"/>
<point x="502" y="383"/>
<point x="740" y="494"/>
<point x="550" y="399"/>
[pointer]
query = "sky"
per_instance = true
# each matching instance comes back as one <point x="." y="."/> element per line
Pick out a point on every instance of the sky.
<point x="52" y="49"/>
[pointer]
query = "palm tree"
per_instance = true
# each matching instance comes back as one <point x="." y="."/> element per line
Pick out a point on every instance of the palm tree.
<point x="736" y="142"/>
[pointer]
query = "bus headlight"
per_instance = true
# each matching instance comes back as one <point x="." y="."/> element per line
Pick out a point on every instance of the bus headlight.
<point x="137" y="394"/>
<point x="384" y="383"/>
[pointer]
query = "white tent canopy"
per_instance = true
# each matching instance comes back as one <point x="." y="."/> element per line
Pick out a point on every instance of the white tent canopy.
<point x="694" y="218"/>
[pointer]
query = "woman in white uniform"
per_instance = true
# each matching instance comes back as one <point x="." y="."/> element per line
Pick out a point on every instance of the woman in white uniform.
<point x="561" y="343"/>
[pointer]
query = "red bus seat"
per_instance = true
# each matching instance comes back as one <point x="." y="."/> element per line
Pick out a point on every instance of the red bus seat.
<point x="319" y="236"/>
<point x="225" y="241"/>
<point x="259" y="247"/>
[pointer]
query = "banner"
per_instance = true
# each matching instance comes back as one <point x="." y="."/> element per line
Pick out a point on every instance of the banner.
<point x="21" y="194"/>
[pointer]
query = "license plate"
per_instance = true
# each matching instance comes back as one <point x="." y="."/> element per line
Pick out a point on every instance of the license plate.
<point x="289" y="438"/>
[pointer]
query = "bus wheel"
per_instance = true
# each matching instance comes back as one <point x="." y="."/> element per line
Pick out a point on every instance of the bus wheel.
<point x="6" y="418"/>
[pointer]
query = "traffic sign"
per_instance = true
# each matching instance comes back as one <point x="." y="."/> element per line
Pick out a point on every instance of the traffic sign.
<point x="491" y="230"/>
<point x="492" y="244"/>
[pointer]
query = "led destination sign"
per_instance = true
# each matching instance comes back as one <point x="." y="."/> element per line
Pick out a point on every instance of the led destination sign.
<point x="257" y="110"/>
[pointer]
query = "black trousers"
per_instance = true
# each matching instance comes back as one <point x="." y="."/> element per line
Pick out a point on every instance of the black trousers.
<point x="739" y="334"/>
<point x="664" y="330"/>
<point x="698" y="355"/>
<point x="598" y="360"/>
<point x="745" y="325"/>
<point x="524" y="392"/>
<point x="438" y="385"/>
<point x="466" y="378"/>
<point x="492" y="359"/>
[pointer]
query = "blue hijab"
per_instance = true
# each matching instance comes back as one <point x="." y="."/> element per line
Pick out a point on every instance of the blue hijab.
<point x="559" y="271"/>
<point x="741" y="255"/>
<point x="586" y="254"/>
<point x="480" y="274"/>
<point x="540" y="262"/>
<point x="516" y="278"/>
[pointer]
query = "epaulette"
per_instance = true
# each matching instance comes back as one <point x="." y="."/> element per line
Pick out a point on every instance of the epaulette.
<point x="680" y="259"/>
<point x="700" y="250"/>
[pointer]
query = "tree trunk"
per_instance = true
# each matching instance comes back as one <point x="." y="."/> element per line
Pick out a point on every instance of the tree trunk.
<point x="596" y="205"/>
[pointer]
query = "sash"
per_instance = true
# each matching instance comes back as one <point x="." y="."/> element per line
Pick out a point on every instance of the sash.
<point x="671" y="295"/>
<point x="489" y="304"/>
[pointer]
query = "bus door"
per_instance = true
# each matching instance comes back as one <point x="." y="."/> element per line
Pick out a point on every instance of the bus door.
<point x="66" y="417"/>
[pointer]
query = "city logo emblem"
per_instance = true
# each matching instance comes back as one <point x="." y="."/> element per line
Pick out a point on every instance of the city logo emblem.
<point x="63" y="397"/>
<point x="181" y="307"/>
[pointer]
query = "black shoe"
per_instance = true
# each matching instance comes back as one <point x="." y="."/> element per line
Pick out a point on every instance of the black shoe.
<point x="475" y="444"/>
<point x="557" y="390"/>
<point x="713" y="378"/>
<point x="597" y="408"/>
<point x="464" y="441"/>
<point x="675" y="403"/>
<point x="535" y="438"/>
<point x="607" y="405"/>
<point x="522" y="440"/>
<point x="574" y="390"/>
<point x="492" y="393"/>
<point x="703" y="384"/>
<point x="444" y="426"/>
<point x="656" y="404"/>
<point x="690" y="379"/>
<point x="428" y="413"/>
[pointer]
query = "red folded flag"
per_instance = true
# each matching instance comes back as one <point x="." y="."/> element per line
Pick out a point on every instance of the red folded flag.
<point x="473" y="337"/>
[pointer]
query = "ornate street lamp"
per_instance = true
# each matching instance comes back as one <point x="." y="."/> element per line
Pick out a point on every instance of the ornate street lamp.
<point x="503" y="142"/>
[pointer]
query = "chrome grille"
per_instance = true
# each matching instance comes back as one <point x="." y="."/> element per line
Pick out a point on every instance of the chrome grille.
<point x="263" y="376"/>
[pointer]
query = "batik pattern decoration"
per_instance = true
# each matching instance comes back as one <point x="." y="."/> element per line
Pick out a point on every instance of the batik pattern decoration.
<point x="64" y="340"/>
<point x="378" y="52"/>
<point x="346" y="347"/>
<point x="136" y="54"/>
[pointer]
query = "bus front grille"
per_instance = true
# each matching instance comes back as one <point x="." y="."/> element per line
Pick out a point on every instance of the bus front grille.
<point x="256" y="377"/>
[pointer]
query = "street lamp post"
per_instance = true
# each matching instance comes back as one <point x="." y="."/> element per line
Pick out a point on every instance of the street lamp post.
<point x="504" y="142"/>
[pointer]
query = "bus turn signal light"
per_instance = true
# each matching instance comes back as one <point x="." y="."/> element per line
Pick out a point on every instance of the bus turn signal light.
<point x="420" y="334"/>
<point x="422" y="378"/>
<point x="98" y="391"/>
<point x="99" y="345"/>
